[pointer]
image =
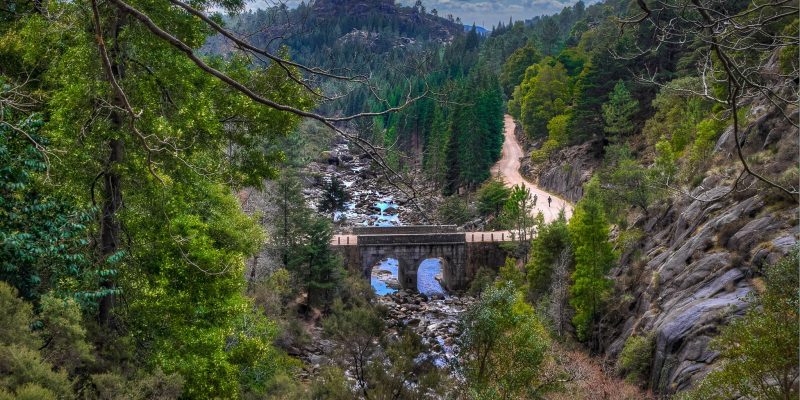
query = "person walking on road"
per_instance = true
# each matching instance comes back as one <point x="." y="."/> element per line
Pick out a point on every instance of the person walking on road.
<point x="549" y="200"/>
<point x="535" y="197"/>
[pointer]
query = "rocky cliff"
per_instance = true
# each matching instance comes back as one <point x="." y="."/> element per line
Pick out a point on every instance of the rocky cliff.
<point x="567" y="169"/>
<point x="698" y="260"/>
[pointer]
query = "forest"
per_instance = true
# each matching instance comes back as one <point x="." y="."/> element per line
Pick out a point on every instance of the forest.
<point x="172" y="176"/>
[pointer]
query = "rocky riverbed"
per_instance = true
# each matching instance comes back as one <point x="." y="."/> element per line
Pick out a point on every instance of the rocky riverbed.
<point x="374" y="202"/>
<point x="433" y="314"/>
<point x="435" y="319"/>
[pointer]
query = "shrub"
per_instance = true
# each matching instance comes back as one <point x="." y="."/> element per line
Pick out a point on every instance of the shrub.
<point x="483" y="279"/>
<point x="636" y="357"/>
<point x="492" y="196"/>
<point x="454" y="210"/>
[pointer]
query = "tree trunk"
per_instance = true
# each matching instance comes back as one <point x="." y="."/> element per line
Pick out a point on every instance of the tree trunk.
<point x="112" y="192"/>
<point x="109" y="223"/>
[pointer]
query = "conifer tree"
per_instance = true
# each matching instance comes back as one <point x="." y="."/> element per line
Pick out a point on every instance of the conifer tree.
<point x="550" y="242"/>
<point x="619" y="110"/>
<point x="594" y="257"/>
<point x="334" y="198"/>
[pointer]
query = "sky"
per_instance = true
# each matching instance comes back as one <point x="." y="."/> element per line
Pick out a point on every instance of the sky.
<point x="487" y="13"/>
<point x="484" y="13"/>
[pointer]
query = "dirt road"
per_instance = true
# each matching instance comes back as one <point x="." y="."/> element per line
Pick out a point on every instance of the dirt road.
<point x="507" y="169"/>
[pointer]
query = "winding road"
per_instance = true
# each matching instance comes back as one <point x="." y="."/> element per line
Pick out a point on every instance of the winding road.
<point x="507" y="169"/>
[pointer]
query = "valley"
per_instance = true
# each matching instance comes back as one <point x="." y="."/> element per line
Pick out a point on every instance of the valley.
<point x="377" y="200"/>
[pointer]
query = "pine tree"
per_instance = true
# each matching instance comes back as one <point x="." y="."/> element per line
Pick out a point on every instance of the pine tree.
<point x="334" y="198"/>
<point x="619" y="110"/>
<point x="517" y="210"/>
<point x="550" y="242"/>
<point x="315" y="263"/>
<point x="290" y="216"/>
<point x="594" y="257"/>
<point x="438" y="142"/>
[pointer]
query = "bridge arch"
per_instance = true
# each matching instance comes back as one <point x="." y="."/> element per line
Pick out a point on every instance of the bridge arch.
<point x="410" y="245"/>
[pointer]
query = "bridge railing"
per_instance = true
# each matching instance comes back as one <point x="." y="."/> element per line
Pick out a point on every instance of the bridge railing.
<point x="425" y="238"/>
<point x="392" y="235"/>
<point x="401" y="230"/>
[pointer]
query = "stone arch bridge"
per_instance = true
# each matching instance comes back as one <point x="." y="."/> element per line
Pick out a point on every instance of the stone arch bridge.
<point x="462" y="253"/>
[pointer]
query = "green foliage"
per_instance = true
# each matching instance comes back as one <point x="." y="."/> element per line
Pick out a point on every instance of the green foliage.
<point x="665" y="167"/>
<point x="318" y="268"/>
<point x="502" y="347"/>
<point x="170" y="234"/>
<point x="759" y="351"/>
<point x="359" y="324"/>
<point x="708" y="130"/>
<point x="42" y="236"/>
<point x="492" y="197"/>
<point x="259" y="361"/>
<point x="64" y="333"/>
<point x="23" y="370"/>
<point x="517" y="210"/>
<point x="476" y="131"/>
<point x="15" y="319"/>
<point x="454" y="210"/>
<point x="405" y="362"/>
<point x="790" y="55"/>
<point x="619" y="110"/>
<point x="625" y="183"/>
<point x="111" y="386"/>
<point x="482" y="280"/>
<point x="636" y="357"/>
<point x="677" y="114"/>
<point x="592" y="87"/>
<point x="550" y="242"/>
<point x="513" y="69"/>
<point x="331" y="383"/>
<point x="510" y="274"/>
<point x="543" y="94"/>
<point x="301" y="239"/>
<point x="435" y="162"/>
<point x="557" y="137"/>
<point x="334" y="197"/>
<point x="594" y="257"/>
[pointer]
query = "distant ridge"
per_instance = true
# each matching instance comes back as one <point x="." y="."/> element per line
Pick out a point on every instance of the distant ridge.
<point x="479" y="29"/>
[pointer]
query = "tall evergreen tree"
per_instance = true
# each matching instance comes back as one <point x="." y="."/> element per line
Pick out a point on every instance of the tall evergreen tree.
<point x="313" y="261"/>
<point x="594" y="257"/>
<point x="619" y="110"/>
<point x="334" y="197"/>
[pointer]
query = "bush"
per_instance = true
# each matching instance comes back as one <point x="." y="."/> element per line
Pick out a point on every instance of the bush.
<point x="636" y="357"/>
<point x="543" y="154"/>
<point x="23" y="371"/>
<point x="503" y="347"/>
<point x="483" y="279"/>
<point x="454" y="210"/>
<point x="111" y="386"/>
<point x="492" y="196"/>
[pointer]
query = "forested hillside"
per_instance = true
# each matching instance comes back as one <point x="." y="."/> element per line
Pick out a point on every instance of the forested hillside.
<point x="676" y="134"/>
<point x="180" y="183"/>
<point x="454" y="132"/>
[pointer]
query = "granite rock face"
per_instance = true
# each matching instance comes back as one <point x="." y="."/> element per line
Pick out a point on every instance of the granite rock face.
<point x="567" y="170"/>
<point x="693" y="270"/>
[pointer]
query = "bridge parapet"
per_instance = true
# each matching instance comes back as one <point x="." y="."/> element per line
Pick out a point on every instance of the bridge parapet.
<point x="408" y="239"/>
<point x="402" y="230"/>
